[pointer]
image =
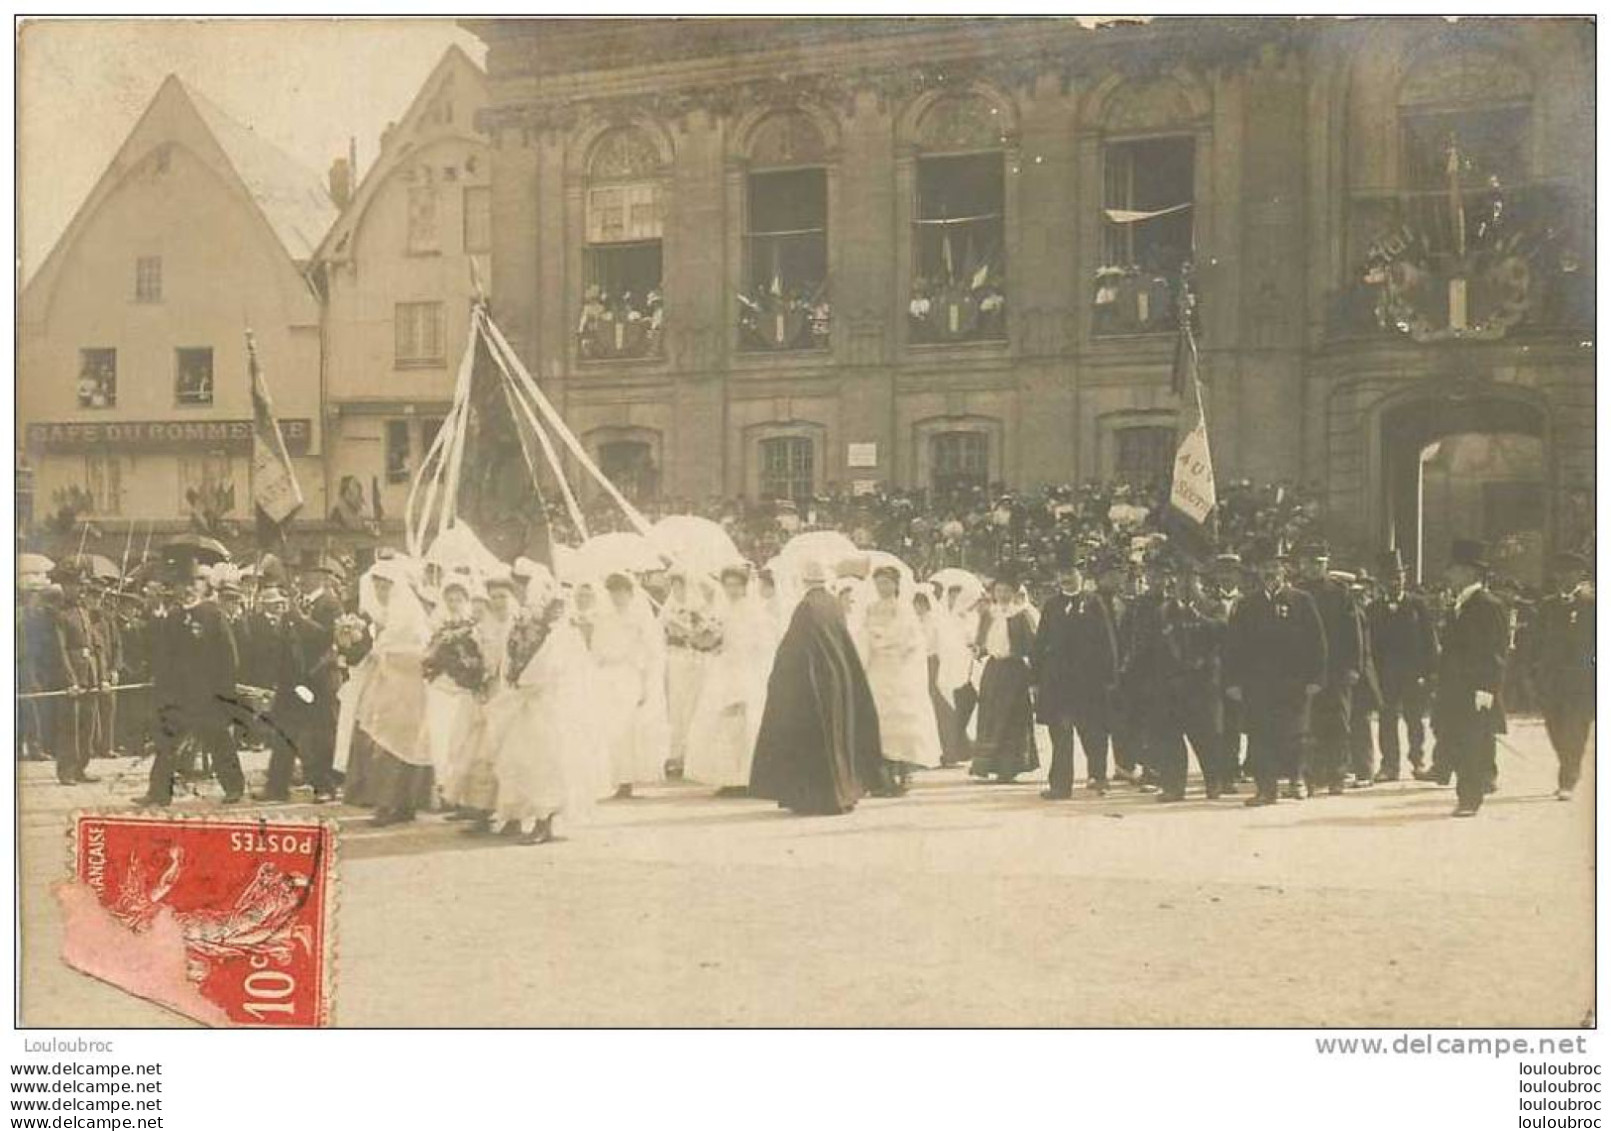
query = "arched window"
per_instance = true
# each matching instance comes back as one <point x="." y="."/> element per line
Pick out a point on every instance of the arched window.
<point x="785" y="302"/>
<point x="959" y="216"/>
<point x="622" y="304"/>
<point x="1464" y="118"/>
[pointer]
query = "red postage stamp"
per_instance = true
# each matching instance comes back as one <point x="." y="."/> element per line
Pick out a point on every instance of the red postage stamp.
<point x="226" y="921"/>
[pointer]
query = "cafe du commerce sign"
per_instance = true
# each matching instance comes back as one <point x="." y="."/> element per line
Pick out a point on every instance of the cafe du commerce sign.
<point x="153" y="435"/>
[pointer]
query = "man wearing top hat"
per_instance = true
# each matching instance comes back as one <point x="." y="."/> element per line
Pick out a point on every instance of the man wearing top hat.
<point x="1404" y="642"/>
<point x="1075" y="663"/>
<point x="1275" y="662"/>
<point x="1562" y="661"/>
<point x="72" y="732"/>
<point x="1468" y="711"/>
<point x="1332" y="715"/>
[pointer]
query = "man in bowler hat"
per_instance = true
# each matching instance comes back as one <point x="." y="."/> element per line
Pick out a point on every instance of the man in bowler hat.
<point x="1468" y="712"/>
<point x="1404" y="641"/>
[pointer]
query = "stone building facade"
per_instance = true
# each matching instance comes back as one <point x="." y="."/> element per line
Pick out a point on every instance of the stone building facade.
<point x="778" y="258"/>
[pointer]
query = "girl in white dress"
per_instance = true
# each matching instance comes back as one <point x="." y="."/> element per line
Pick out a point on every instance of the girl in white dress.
<point x="630" y="674"/>
<point x="895" y="651"/>
<point x="685" y="621"/>
<point x="721" y="735"/>
<point x="547" y="760"/>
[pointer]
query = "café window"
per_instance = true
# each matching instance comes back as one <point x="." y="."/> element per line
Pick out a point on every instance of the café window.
<point x="193" y="376"/>
<point x="148" y="278"/>
<point x="629" y="464"/>
<point x="206" y="483"/>
<point x="419" y="334"/>
<point x="424" y="219"/>
<point x="97" y="378"/>
<point x="103" y="479"/>
<point x="1144" y="455"/>
<point x="477" y="220"/>
<point x="958" y="461"/>
<point x="788" y="468"/>
<point x="959" y="249"/>
<point x="622" y="310"/>
<point x="1147" y="230"/>
<point x="399" y="453"/>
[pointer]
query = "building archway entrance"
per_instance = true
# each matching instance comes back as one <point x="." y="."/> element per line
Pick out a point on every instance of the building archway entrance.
<point x="1457" y="466"/>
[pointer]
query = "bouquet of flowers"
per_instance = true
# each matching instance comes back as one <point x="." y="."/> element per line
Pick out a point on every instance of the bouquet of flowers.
<point x="687" y="627"/>
<point x="353" y="638"/>
<point x="527" y="635"/>
<point x="455" y="652"/>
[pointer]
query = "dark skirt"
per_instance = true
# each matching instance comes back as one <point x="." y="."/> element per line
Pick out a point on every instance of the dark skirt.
<point x="954" y="745"/>
<point x="1005" y="745"/>
<point x="379" y="780"/>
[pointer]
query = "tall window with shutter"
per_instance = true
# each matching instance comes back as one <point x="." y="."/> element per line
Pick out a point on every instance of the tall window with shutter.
<point x="419" y="334"/>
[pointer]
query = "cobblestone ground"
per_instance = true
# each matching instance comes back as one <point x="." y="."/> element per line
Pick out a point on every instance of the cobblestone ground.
<point x="960" y="904"/>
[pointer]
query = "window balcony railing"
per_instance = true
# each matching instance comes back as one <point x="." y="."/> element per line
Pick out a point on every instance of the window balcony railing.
<point x="1475" y="264"/>
<point x="624" y="328"/>
<point x="957" y="312"/>
<point x="794" y="321"/>
<point x="1128" y="300"/>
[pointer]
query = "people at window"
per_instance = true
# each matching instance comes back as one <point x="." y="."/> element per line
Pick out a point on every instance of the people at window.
<point x="623" y="324"/>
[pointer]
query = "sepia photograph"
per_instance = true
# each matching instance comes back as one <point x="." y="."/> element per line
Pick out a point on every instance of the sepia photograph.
<point x="905" y="521"/>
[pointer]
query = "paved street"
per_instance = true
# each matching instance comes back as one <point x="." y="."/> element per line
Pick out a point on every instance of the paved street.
<point x="961" y="904"/>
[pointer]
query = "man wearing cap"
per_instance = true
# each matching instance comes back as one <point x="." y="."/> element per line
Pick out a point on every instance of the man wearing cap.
<point x="1075" y="664"/>
<point x="1469" y="711"/>
<point x="1275" y="662"/>
<point x="1404" y="642"/>
<point x="1562" y="662"/>
<point x="73" y="729"/>
<point x="1332" y="709"/>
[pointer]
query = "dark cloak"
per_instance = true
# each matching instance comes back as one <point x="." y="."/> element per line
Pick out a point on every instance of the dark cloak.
<point x="818" y="749"/>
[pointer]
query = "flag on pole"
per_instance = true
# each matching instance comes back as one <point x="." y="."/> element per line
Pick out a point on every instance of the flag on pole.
<point x="276" y="495"/>
<point x="1192" y="497"/>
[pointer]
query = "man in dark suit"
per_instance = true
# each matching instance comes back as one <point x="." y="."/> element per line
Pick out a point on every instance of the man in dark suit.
<point x="196" y="667"/>
<point x="1332" y="707"/>
<point x="1562" y="660"/>
<point x="1469" y="711"/>
<point x="1404" y="643"/>
<point x="39" y="669"/>
<point x="313" y="621"/>
<point x="1275" y="662"/>
<point x="1183" y="668"/>
<point x="1224" y="588"/>
<point x="1075" y="662"/>
<point x="293" y="729"/>
<point x="76" y="662"/>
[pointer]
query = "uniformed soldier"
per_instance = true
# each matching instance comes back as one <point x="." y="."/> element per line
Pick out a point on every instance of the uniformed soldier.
<point x="1403" y="637"/>
<point x="1562" y="660"/>
<point x="1469" y="709"/>
<point x="1187" y="696"/>
<point x="73" y="729"/>
<point x="107" y="631"/>
<point x="1275" y="663"/>
<point x="1331" y="712"/>
<point x="1075" y="662"/>
<point x="195" y="666"/>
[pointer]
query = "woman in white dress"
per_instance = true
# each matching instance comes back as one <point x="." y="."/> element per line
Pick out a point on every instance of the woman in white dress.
<point x="895" y="652"/>
<point x="446" y="703"/>
<point x="547" y="760"/>
<point x="389" y="701"/>
<point x="474" y="792"/>
<point x="630" y="674"/>
<point x="721" y="735"/>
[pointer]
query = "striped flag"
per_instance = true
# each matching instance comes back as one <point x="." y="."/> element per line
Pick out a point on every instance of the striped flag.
<point x="1191" y="493"/>
<point x="276" y="495"/>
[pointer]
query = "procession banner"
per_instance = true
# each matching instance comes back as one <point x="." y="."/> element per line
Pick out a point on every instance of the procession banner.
<point x="276" y="495"/>
<point x="1192" y="496"/>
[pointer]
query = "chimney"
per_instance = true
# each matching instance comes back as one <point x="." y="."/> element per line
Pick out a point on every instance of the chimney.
<point x="340" y="181"/>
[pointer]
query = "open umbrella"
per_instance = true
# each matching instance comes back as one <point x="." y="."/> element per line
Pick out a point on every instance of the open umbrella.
<point x="616" y="552"/>
<point x="98" y="565"/>
<point x="197" y="546"/>
<point x="697" y="544"/>
<point x="829" y="546"/>
<point x="34" y="563"/>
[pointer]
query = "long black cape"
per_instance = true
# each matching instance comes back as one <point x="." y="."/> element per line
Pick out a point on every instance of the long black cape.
<point x="818" y="748"/>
